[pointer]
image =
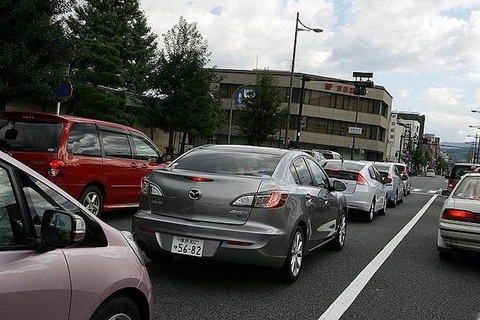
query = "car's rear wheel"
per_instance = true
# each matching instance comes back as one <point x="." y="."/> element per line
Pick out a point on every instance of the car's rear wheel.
<point x="118" y="307"/>
<point x="371" y="212"/>
<point x="92" y="199"/>
<point x="393" y="203"/>
<point x="339" y="241"/>
<point x="293" y="263"/>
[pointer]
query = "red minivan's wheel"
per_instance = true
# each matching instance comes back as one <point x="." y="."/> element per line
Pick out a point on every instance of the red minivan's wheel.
<point x="92" y="199"/>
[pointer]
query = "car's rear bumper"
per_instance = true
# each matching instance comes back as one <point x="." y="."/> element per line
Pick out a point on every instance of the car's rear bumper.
<point x="458" y="236"/>
<point x="254" y="244"/>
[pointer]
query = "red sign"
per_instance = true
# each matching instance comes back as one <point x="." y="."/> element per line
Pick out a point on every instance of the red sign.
<point x="339" y="88"/>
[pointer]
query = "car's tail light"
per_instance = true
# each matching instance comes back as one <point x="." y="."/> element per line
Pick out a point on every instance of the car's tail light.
<point x="451" y="185"/>
<point x="459" y="215"/>
<point x="56" y="168"/>
<point x="274" y="199"/>
<point x="271" y="199"/>
<point x="361" y="179"/>
<point x="148" y="188"/>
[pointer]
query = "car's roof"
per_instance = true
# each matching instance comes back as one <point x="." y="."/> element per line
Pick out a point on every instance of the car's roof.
<point x="29" y="116"/>
<point x="246" y="148"/>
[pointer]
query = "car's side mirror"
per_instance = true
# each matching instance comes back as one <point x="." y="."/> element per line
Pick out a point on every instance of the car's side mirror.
<point x="166" y="157"/>
<point x="339" y="185"/>
<point x="61" y="229"/>
<point x="387" y="180"/>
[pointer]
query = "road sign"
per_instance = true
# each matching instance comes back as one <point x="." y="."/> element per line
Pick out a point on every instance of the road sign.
<point x="355" y="130"/>
<point x="240" y="95"/>
<point x="63" y="92"/>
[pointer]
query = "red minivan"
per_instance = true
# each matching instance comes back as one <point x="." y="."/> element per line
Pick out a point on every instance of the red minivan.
<point x="99" y="163"/>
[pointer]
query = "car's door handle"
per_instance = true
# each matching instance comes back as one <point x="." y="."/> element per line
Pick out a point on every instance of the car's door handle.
<point x="308" y="197"/>
<point x="133" y="165"/>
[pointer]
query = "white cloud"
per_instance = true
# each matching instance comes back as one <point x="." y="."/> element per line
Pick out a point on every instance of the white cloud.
<point x="425" y="53"/>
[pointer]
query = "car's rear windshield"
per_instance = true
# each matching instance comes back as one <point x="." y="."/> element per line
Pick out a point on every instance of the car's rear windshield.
<point x="469" y="188"/>
<point x="382" y="167"/>
<point x="401" y="168"/>
<point x="231" y="162"/>
<point x="344" y="165"/>
<point x="460" y="170"/>
<point x="343" y="175"/>
<point x="29" y="136"/>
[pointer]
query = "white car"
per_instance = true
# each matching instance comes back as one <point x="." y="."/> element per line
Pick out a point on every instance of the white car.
<point x="430" y="173"/>
<point x="458" y="226"/>
<point x="366" y="191"/>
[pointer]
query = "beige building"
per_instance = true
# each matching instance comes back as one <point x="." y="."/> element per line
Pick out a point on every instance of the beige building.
<point x="328" y="114"/>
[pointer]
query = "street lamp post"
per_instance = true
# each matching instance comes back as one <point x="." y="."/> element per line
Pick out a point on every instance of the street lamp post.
<point x="300" y="111"/>
<point x="361" y="86"/>
<point x="476" y="147"/>
<point x="292" y="71"/>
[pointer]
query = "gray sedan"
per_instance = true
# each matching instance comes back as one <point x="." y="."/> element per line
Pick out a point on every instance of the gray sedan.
<point x="459" y="226"/>
<point x="241" y="204"/>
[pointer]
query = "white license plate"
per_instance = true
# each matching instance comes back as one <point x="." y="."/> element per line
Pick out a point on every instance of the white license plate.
<point x="187" y="246"/>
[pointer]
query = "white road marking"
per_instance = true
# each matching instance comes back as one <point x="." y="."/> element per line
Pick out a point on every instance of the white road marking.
<point x="343" y="302"/>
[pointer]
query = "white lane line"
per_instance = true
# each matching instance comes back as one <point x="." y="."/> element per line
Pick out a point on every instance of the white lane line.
<point x="344" y="300"/>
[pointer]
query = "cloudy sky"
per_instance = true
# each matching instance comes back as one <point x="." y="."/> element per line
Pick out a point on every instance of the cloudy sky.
<point x="426" y="53"/>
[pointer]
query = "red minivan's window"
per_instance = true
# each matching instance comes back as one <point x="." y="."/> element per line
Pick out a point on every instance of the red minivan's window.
<point x="19" y="135"/>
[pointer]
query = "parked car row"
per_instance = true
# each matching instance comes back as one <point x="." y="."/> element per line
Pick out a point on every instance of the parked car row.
<point x="243" y="204"/>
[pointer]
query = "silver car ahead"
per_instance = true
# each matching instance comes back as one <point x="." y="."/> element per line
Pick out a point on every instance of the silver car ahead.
<point x="365" y="191"/>
<point x="393" y="182"/>
<point x="459" y="226"/>
<point x="241" y="204"/>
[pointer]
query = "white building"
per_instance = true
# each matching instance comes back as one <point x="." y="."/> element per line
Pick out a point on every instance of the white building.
<point x="402" y="133"/>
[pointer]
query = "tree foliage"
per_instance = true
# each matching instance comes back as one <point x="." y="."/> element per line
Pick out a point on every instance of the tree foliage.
<point x="33" y="49"/>
<point x="114" y="56"/>
<point x="186" y="101"/>
<point x="262" y="114"/>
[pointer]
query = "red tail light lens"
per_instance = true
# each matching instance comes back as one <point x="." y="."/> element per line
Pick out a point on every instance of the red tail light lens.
<point x="361" y="179"/>
<point x="56" y="168"/>
<point x="458" y="215"/>
<point x="274" y="199"/>
<point x="451" y="185"/>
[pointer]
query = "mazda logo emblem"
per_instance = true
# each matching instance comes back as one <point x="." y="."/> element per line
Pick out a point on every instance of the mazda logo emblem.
<point x="195" y="194"/>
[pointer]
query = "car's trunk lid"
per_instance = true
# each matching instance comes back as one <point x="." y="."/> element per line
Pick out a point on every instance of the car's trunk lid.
<point x="203" y="197"/>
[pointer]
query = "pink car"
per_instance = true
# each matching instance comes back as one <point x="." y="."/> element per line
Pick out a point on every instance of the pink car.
<point x="58" y="261"/>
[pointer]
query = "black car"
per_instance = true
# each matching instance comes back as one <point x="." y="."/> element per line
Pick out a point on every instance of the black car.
<point x="458" y="170"/>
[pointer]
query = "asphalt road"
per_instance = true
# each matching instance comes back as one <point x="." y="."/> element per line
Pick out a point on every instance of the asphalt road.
<point x="388" y="269"/>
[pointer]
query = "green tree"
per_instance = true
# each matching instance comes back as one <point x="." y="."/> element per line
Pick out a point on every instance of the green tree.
<point x="418" y="159"/>
<point x="114" y="57"/>
<point x="33" y="49"/>
<point x="186" y="100"/>
<point x="262" y="114"/>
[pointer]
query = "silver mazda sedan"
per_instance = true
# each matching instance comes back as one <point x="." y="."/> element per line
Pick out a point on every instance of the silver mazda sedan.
<point x="241" y="204"/>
